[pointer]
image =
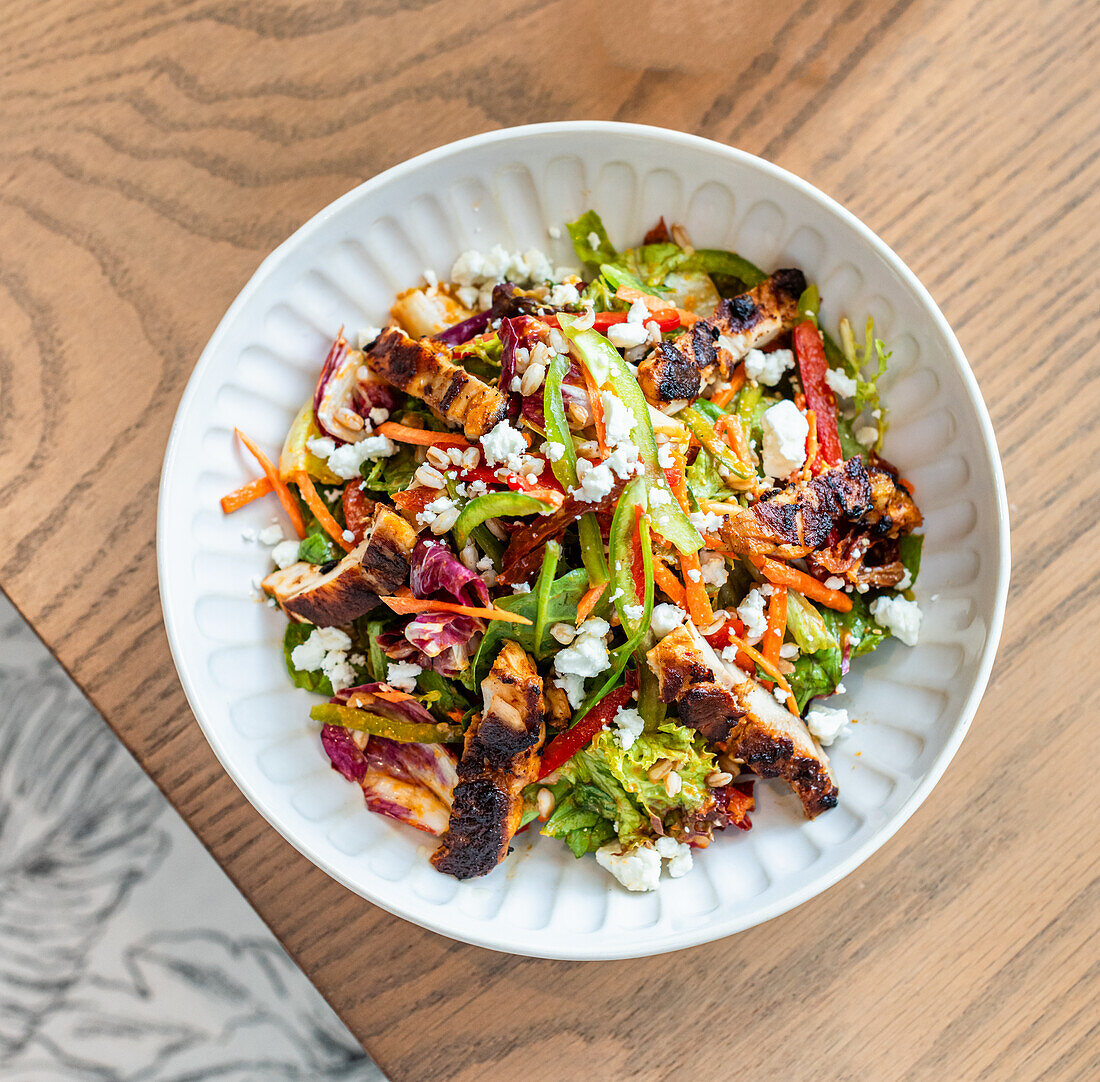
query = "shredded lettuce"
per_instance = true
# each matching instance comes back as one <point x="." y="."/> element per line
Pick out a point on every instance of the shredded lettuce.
<point x="865" y="364"/>
<point x="807" y="626"/>
<point x="605" y="791"/>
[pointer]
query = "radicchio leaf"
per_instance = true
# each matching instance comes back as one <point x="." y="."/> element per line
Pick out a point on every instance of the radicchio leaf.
<point x="430" y="765"/>
<point x="434" y="569"/>
<point x="464" y="331"/>
<point x="344" y="752"/>
<point x="366" y="697"/>
<point x="405" y="801"/>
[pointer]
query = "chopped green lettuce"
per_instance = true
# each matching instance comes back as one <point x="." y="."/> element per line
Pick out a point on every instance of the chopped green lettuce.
<point x="605" y="791"/>
<point x="587" y="226"/>
<point x="317" y="548"/>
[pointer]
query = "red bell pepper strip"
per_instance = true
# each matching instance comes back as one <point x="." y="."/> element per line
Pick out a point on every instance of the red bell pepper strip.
<point x="812" y="366"/>
<point x="564" y="746"/>
<point x="668" y="319"/>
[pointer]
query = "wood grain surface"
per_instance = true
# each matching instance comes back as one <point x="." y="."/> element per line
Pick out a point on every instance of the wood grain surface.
<point x="152" y="153"/>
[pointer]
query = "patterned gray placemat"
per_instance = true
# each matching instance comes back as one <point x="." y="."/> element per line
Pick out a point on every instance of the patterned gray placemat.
<point x="125" y="952"/>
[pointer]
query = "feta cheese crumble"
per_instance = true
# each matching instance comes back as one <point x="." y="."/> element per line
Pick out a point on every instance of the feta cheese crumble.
<point x="345" y="460"/>
<point x="678" y="855"/>
<point x="504" y="445"/>
<point x="752" y="614"/>
<point x="827" y="724"/>
<point x="585" y="656"/>
<point x="715" y="572"/>
<point x="666" y="619"/>
<point x="842" y="385"/>
<point x="326" y="649"/>
<point x="271" y="535"/>
<point x="402" y="675"/>
<point x="627" y="335"/>
<point x="768" y="368"/>
<point x="785" y="430"/>
<point x="284" y="554"/>
<point x="629" y="725"/>
<point x="638" y="868"/>
<point x="902" y="618"/>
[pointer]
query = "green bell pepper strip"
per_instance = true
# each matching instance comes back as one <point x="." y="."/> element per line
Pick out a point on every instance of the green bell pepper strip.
<point x="715" y="446"/>
<point x="543" y="587"/>
<point x="607" y="367"/>
<point x="404" y="732"/>
<point x="493" y="505"/>
<point x="565" y="469"/>
<point x="620" y="550"/>
<point x="377" y="660"/>
<point x="620" y="656"/>
<point x="488" y="544"/>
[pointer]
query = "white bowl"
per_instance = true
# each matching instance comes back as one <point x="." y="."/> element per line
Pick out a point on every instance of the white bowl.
<point x="508" y="187"/>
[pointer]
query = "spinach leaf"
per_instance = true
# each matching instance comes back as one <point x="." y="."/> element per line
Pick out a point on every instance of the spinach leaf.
<point x="561" y="606"/>
<point x="820" y="672"/>
<point x="449" y="696"/>
<point x="714" y="261"/>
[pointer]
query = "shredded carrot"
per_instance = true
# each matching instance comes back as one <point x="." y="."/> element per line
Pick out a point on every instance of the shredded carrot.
<point x="811" y="445"/>
<point x="588" y="602"/>
<point x="687" y="319"/>
<point x="784" y="575"/>
<point x="695" y="593"/>
<point x="424" y="437"/>
<point x="630" y="295"/>
<point x="777" y="624"/>
<point x="404" y="605"/>
<point x="393" y="696"/>
<point x="596" y="405"/>
<point x="668" y="582"/>
<point x="239" y="497"/>
<point x="286" y="498"/>
<point x="759" y="659"/>
<point x="675" y="476"/>
<point x="320" y="511"/>
<point x="736" y="382"/>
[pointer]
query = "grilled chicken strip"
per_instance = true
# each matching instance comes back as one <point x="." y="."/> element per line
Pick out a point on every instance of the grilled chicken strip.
<point x="800" y="518"/>
<point x="335" y="594"/>
<point x="500" y="757"/>
<point x="677" y="371"/>
<point x="423" y="368"/>
<point x="729" y="707"/>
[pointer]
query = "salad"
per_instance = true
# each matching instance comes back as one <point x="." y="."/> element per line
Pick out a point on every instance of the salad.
<point x="589" y="551"/>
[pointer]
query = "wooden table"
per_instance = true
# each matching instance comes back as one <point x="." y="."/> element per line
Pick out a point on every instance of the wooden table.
<point x="151" y="155"/>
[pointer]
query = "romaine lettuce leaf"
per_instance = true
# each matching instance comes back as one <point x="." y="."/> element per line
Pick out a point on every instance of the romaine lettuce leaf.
<point x="605" y="791"/>
<point x="585" y="227"/>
